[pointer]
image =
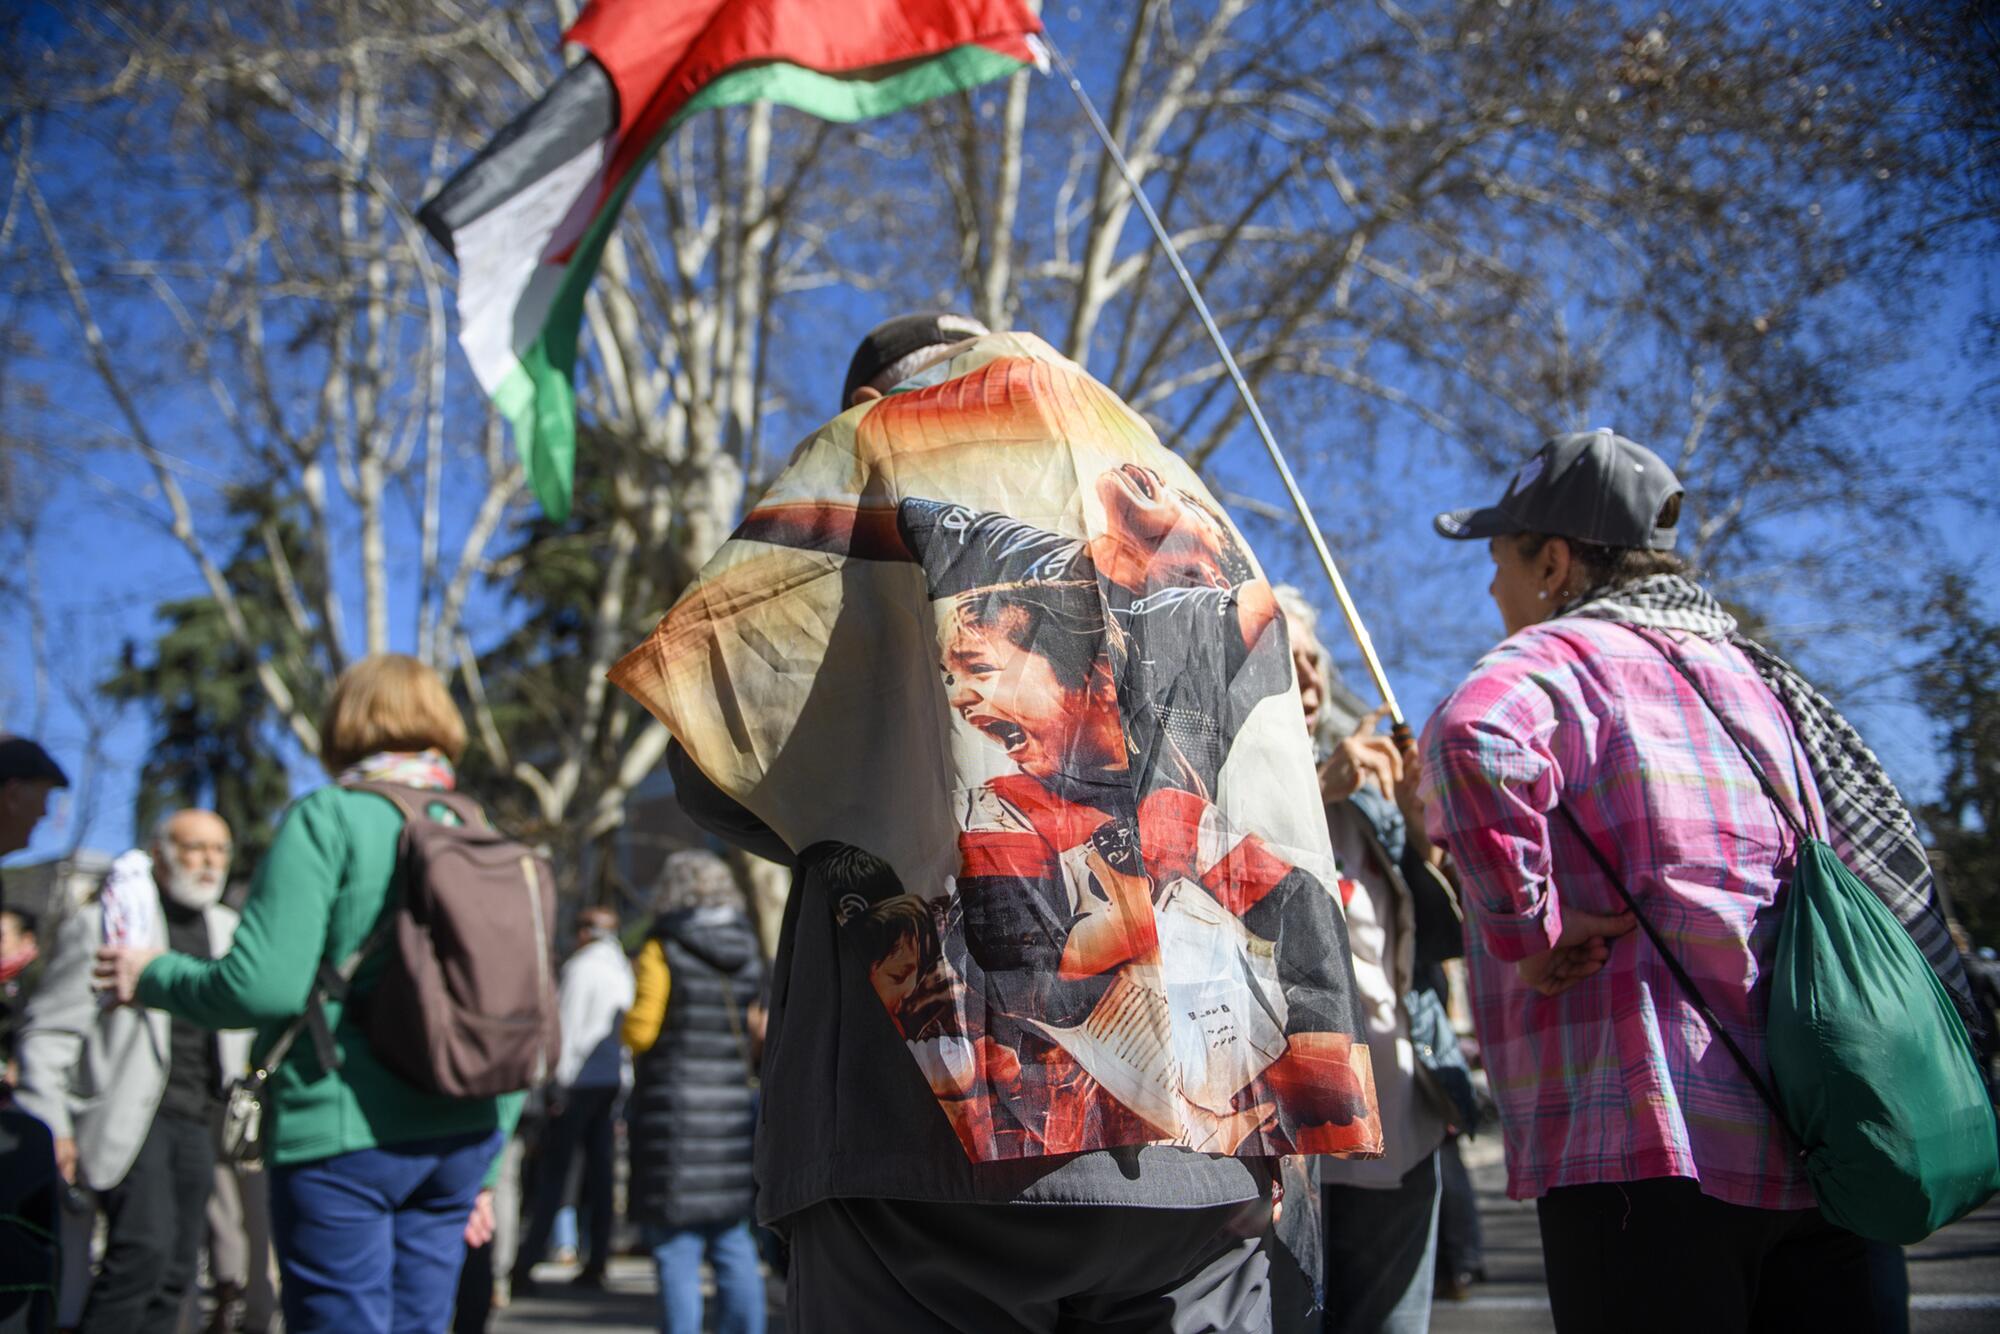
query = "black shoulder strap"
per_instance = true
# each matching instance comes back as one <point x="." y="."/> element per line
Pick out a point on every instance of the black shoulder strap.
<point x="328" y="981"/>
<point x="1795" y="819"/>
<point x="738" y="1029"/>
<point x="1680" y="974"/>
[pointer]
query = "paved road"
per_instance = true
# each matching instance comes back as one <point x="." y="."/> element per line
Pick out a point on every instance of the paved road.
<point x="628" y="1303"/>
<point x="1954" y="1276"/>
<point x="1954" y="1279"/>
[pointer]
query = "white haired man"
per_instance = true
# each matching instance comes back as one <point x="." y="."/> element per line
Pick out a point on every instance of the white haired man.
<point x="133" y="1096"/>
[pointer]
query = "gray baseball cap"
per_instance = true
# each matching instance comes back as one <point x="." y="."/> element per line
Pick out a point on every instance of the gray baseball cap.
<point x="1593" y="486"/>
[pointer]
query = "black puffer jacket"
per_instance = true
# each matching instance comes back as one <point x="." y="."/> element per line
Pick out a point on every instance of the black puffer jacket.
<point x="692" y="1115"/>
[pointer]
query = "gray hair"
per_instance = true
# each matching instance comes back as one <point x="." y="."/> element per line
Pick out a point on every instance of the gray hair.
<point x="161" y="840"/>
<point x="1336" y="718"/>
<point x="1299" y="613"/>
<point x="695" y="879"/>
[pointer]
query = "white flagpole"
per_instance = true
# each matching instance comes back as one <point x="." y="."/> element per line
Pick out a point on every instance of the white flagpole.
<point x="1347" y="607"/>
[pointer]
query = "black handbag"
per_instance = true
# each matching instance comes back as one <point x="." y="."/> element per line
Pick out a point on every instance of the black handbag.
<point x="243" y="1105"/>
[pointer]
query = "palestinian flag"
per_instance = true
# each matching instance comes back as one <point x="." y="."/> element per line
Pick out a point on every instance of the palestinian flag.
<point x="527" y="219"/>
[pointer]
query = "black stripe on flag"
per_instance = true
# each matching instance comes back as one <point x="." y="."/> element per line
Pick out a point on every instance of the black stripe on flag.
<point x="579" y="109"/>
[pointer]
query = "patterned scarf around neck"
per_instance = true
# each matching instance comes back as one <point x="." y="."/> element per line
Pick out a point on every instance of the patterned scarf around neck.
<point x="423" y="768"/>
<point x="1868" y="825"/>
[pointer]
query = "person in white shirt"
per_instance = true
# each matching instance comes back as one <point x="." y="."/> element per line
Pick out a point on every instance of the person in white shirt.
<point x="595" y="992"/>
<point x="1379" y="1216"/>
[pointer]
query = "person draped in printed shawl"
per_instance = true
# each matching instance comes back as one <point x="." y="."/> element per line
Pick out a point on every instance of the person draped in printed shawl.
<point x="1117" y="748"/>
<point x="1130" y="656"/>
<point x="993" y="673"/>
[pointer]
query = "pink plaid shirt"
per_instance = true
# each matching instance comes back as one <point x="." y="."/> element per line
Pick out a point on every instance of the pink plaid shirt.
<point x="1619" y="1078"/>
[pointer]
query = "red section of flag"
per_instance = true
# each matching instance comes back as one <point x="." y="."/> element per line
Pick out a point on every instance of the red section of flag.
<point x="660" y="53"/>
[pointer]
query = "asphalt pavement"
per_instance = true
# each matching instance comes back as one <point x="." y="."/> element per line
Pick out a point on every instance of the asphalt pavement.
<point x="1954" y="1279"/>
<point x="1954" y="1276"/>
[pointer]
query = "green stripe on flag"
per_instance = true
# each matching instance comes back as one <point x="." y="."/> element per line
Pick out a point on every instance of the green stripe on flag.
<point x="539" y="398"/>
<point x="855" y="96"/>
<point x="539" y="403"/>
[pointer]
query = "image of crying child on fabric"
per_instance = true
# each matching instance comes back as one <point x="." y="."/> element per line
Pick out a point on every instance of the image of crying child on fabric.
<point x="1129" y="965"/>
<point x="1088" y="875"/>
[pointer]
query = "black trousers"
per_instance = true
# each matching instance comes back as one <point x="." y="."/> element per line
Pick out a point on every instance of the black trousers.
<point x="474" y="1308"/>
<point x="585" y="1123"/>
<point x="1378" y="1255"/>
<point x="1640" y="1256"/>
<point x="915" y="1267"/>
<point x="1461" y="1247"/>
<point x="156" y="1218"/>
<point x="29" y="1222"/>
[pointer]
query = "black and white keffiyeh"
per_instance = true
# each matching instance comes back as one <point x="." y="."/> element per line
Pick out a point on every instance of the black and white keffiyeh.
<point x="1868" y="826"/>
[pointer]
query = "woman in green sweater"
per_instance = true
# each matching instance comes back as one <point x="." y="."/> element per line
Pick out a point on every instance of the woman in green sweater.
<point x="376" y="1186"/>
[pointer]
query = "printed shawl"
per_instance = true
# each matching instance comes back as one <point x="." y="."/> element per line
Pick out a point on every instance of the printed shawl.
<point x="992" y="638"/>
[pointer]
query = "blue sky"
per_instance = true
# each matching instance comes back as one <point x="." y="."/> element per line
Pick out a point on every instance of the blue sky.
<point x="105" y="560"/>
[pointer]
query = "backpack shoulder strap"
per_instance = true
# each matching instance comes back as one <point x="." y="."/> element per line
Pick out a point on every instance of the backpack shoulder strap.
<point x="413" y="801"/>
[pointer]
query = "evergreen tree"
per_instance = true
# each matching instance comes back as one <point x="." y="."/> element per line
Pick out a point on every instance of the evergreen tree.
<point x="537" y="675"/>
<point x="216" y="741"/>
<point x="1959" y="686"/>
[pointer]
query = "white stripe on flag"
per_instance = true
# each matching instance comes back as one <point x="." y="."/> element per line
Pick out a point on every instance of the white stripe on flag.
<point x="504" y="286"/>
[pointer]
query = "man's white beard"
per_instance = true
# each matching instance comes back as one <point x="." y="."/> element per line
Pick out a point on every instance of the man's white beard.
<point x="192" y="889"/>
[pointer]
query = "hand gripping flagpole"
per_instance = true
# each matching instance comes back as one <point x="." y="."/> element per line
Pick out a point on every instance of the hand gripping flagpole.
<point x="1400" y="727"/>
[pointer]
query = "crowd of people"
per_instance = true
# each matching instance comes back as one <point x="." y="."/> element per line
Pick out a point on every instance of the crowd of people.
<point x="1105" y="1034"/>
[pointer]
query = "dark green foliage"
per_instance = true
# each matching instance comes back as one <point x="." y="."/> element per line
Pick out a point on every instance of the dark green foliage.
<point x="1959" y="686"/>
<point x="537" y="676"/>
<point x="215" y="739"/>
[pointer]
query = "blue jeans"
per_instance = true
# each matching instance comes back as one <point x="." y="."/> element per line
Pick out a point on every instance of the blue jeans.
<point x="739" y="1283"/>
<point x="371" y="1241"/>
<point x="563" y="1236"/>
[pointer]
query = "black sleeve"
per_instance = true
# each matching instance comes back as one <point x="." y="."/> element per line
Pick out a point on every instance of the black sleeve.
<point x="961" y="548"/>
<point x="1012" y="923"/>
<point x="1315" y="967"/>
<point x="719" y="813"/>
<point x="1197" y="677"/>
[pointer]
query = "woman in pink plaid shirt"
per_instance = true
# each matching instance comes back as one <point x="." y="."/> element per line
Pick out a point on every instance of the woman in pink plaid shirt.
<point x="1666" y="1191"/>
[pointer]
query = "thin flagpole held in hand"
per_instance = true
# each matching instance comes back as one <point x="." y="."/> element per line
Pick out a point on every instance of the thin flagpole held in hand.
<point x="1347" y="607"/>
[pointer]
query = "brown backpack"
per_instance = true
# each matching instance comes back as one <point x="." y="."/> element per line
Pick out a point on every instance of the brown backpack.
<point x="466" y="1003"/>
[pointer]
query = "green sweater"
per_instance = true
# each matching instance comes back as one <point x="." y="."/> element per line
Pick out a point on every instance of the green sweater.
<point x="318" y="895"/>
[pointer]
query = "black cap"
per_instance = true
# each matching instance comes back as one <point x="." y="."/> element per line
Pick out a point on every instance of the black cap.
<point x="1592" y="486"/>
<point x="25" y="760"/>
<point x="892" y="340"/>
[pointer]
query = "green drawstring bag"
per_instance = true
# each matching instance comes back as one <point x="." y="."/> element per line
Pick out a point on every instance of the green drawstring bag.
<point x="1875" y="1079"/>
<point x="1873" y="1072"/>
